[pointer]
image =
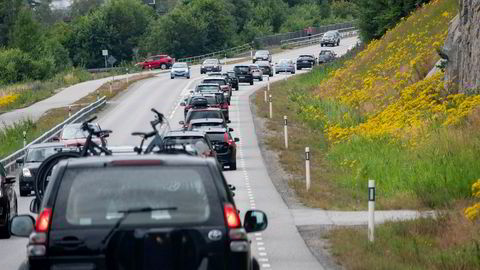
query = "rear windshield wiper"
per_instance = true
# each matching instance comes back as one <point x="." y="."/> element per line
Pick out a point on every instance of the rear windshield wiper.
<point x="128" y="212"/>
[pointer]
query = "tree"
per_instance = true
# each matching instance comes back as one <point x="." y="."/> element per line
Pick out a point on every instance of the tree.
<point x="8" y="12"/>
<point x="26" y="33"/>
<point x="83" y="7"/>
<point x="106" y="28"/>
<point x="377" y="16"/>
<point x="192" y="28"/>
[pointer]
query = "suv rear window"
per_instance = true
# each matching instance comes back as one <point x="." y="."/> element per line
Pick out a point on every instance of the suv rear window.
<point x="217" y="137"/>
<point x="201" y="88"/>
<point x="211" y="100"/>
<point x="97" y="196"/>
<point x="242" y="69"/>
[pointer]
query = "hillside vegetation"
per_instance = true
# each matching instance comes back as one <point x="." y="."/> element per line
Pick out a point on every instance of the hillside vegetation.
<point x="379" y="117"/>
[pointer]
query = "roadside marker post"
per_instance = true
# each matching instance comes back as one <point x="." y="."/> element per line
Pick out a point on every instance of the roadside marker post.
<point x="110" y="86"/>
<point x="268" y="83"/>
<point x="265" y="95"/>
<point x="24" y="138"/>
<point x="285" y="130"/>
<point x="371" y="210"/>
<point x="98" y="95"/>
<point x="127" y="76"/>
<point x="69" y="110"/>
<point x="270" y="105"/>
<point x="307" y="167"/>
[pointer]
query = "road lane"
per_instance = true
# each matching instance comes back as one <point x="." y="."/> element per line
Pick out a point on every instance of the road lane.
<point x="280" y="246"/>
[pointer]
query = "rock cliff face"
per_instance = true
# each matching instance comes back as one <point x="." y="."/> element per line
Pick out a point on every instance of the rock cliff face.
<point x="462" y="46"/>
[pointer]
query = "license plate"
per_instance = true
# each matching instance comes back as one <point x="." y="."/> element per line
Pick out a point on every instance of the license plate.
<point x="305" y="61"/>
<point x="242" y="77"/>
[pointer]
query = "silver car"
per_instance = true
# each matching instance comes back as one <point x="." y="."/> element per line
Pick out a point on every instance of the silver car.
<point x="285" y="65"/>
<point x="257" y="72"/>
<point x="330" y="38"/>
<point x="180" y="70"/>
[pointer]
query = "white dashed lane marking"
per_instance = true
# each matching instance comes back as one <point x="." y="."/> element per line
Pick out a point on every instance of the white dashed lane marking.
<point x="263" y="257"/>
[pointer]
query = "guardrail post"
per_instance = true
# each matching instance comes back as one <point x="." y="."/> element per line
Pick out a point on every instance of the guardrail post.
<point x="24" y="138"/>
<point x="270" y="106"/>
<point x="307" y="167"/>
<point x="98" y="95"/>
<point x="69" y="110"/>
<point x="371" y="210"/>
<point x="285" y="130"/>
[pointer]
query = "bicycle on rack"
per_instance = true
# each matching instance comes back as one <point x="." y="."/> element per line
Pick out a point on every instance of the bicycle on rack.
<point x="156" y="144"/>
<point x="90" y="148"/>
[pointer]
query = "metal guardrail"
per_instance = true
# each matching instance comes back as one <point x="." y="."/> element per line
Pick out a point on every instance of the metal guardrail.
<point x="218" y="54"/>
<point x="315" y="39"/>
<point x="10" y="162"/>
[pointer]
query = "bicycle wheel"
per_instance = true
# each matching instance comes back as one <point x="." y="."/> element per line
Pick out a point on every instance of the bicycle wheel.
<point x="45" y="170"/>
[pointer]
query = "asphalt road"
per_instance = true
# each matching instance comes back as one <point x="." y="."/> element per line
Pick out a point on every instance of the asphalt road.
<point x="280" y="246"/>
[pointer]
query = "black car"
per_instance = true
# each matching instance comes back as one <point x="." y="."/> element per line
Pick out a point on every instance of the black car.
<point x="8" y="202"/>
<point x="195" y="142"/>
<point x="211" y="65"/>
<point x="243" y="73"/>
<point x="266" y="68"/>
<point x="35" y="155"/>
<point x="233" y="79"/>
<point x="306" y="61"/>
<point x="225" y="146"/>
<point x="326" y="56"/>
<point x="146" y="212"/>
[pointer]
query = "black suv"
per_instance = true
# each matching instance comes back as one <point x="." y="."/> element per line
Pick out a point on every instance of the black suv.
<point x="8" y="202"/>
<point x="243" y="73"/>
<point x="233" y="79"/>
<point x="139" y="212"/>
<point x="225" y="146"/>
<point x="30" y="163"/>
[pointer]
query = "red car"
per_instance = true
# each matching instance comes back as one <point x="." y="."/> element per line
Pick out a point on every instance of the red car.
<point x="73" y="135"/>
<point x="161" y="61"/>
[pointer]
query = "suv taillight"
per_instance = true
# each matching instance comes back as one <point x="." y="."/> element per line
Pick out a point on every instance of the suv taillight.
<point x="43" y="221"/>
<point x="231" y="216"/>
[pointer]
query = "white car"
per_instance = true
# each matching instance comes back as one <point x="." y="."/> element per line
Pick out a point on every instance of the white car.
<point x="180" y="70"/>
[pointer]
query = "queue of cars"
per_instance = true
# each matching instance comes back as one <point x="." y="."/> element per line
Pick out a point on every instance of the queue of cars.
<point x="182" y="214"/>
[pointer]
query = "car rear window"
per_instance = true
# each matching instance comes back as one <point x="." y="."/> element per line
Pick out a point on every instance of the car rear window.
<point x="204" y="114"/>
<point x="206" y="124"/>
<point x="217" y="81"/>
<point x="98" y="196"/>
<point x="201" y="88"/>
<point x="75" y="132"/>
<point x="199" y="144"/>
<point x="211" y="100"/>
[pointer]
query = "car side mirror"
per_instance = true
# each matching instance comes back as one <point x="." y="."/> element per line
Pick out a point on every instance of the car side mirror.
<point x="182" y="123"/>
<point x="183" y="104"/>
<point x="22" y="225"/>
<point x="19" y="161"/>
<point x="10" y="179"/>
<point x="55" y="139"/>
<point x="231" y="129"/>
<point x="232" y="187"/>
<point x="191" y="91"/>
<point x="255" y="221"/>
<point x="228" y="121"/>
<point x="236" y="139"/>
<point x="35" y="206"/>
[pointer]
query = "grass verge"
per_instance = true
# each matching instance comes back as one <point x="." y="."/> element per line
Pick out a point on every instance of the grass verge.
<point x="448" y="242"/>
<point x="11" y="137"/>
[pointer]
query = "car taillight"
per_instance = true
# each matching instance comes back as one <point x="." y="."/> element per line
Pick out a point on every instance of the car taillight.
<point x="43" y="221"/>
<point x="231" y="216"/>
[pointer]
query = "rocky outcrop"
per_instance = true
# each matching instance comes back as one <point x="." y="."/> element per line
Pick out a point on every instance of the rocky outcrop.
<point x="462" y="47"/>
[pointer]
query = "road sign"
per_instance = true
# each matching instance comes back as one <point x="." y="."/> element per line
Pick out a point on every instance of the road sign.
<point x="104" y="52"/>
<point x="111" y="60"/>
